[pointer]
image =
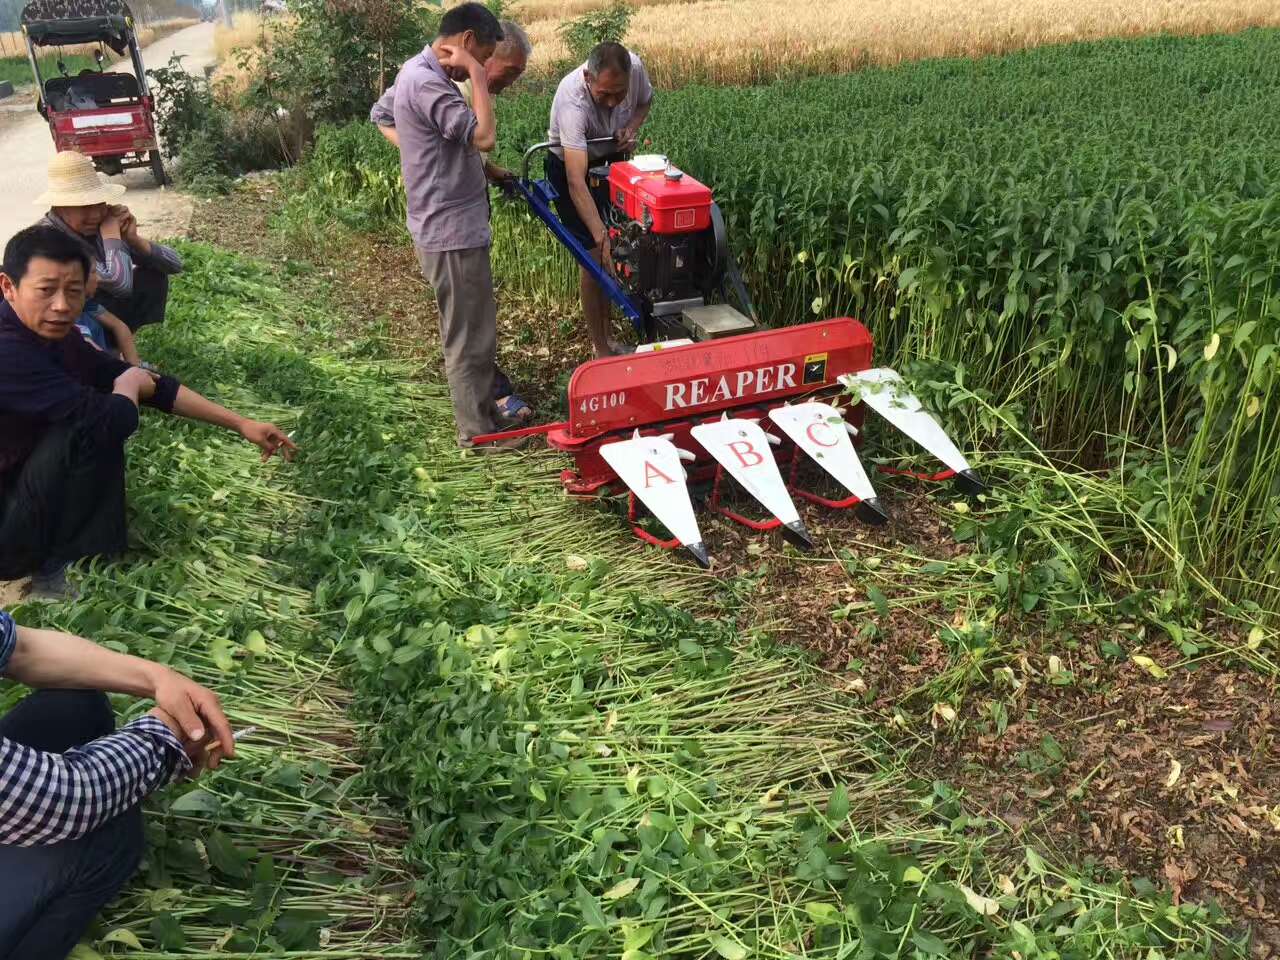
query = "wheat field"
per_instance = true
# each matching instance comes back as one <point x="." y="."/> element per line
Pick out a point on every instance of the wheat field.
<point x="753" y="41"/>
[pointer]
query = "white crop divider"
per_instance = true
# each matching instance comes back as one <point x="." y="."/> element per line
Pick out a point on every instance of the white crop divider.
<point x="821" y="431"/>
<point x="742" y="448"/>
<point x="883" y="391"/>
<point x="651" y="468"/>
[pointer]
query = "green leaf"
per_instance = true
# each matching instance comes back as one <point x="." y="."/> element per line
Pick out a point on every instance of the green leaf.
<point x="822" y="913"/>
<point x="1036" y="864"/>
<point x="880" y="600"/>
<point x="123" y="935"/>
<point x="1052" y="748"/>
<point x="220" y="651"/>
<point x="729" y="949"/>
<point x="928" y="943"/>
<point x="592" y="915"/>
<point x="983" y="906"/>
<point x="636" y="937"/>
<point x="838" y="803"/>
<point x="197" y="803"/>
<point x="225" y="857"/>
<point x="622" y="888"/>
<point x="167" y="932"/>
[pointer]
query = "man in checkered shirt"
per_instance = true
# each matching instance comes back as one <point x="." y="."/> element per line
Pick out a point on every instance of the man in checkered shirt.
<point x="71" y="789"/>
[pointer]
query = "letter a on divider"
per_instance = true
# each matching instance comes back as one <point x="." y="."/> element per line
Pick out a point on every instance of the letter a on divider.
<point x="650" y="472"/>
<point x="651" y="469"/>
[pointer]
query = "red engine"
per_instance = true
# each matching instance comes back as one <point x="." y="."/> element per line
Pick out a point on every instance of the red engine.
<point x="663" y="200"/>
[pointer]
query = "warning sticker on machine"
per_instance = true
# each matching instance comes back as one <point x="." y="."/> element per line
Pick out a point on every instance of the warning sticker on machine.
<point x="815" y="368"/>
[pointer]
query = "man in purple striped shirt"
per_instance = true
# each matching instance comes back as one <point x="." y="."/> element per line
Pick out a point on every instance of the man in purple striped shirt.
<point x="70" y="788"/>
<point x="441" y="141"/>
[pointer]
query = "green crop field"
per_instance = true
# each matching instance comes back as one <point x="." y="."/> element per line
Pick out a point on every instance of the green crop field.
<point x="17" y="70"/>
<point x="1088" y="232"/>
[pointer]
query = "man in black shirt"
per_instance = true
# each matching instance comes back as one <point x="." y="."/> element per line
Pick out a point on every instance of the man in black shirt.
<point x="66" y="410"/>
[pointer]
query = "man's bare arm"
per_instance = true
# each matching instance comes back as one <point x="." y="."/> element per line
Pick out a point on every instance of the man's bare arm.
<point x="48" y="659"/>
<point x="267" y="436"/>
<point x="390" y="133"/>
<point x="122" y="335"/>
<point x="628" y="135"/>
<point x="576" y="165"/>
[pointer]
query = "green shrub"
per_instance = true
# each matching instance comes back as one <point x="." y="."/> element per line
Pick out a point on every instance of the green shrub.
<point x="213" y="143"/>
<point x="595" y="26"/>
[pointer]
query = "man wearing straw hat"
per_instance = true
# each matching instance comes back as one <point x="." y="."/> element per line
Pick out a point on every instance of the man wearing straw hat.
<point x="133" y="272"/>
<point x="66" y="410"/>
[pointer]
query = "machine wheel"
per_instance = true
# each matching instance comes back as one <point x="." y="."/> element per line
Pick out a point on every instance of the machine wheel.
<point x="157" y="170"/>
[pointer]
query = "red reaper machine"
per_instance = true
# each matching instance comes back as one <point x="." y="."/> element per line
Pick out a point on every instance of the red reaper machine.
<point x="695" y="406"/>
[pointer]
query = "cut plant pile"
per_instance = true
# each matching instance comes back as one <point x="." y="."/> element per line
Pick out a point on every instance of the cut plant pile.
<point x="284" y="849"/>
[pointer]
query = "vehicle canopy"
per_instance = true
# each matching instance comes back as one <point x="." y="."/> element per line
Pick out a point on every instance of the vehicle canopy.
<point x="59" y="23"/>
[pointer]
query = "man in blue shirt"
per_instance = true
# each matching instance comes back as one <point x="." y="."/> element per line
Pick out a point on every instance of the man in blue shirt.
<point x="66" y="410"/>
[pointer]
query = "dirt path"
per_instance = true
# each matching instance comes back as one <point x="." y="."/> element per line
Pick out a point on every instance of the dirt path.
<point x="28" y="147"/>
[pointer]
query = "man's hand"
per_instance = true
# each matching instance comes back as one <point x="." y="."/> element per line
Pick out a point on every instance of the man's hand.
<point x="110" y="226"/>
<point x="497" y="174"/>
<point x="136" y="384"/>
<point x="606" y="254"/>
<point x="626" y="138"/>
<point x="197" y="718"/>
<point x="269" y="438"/>
<point x="129" y="229"/>
<point x="451" y="55"/>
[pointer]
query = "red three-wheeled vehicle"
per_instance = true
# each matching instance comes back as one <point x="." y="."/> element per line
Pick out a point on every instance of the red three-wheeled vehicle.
<point x="108" y="115"/>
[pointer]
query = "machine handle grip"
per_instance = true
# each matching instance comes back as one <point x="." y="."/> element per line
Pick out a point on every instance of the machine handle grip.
<point x="547" y="145"/>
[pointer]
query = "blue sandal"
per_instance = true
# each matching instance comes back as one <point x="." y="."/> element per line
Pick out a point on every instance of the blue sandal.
<point x="514" y="409"/>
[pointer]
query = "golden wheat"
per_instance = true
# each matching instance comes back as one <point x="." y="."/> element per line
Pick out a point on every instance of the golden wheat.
<point x="238" y="50"/>
<point x="12" y="43"/>
<point x="530" y="11"/>
<point x="753" y="41"/>
<point x="247" y="32"/>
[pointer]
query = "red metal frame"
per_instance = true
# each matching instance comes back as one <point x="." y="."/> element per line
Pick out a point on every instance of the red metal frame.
<point x="136" y="139"/>
<point x="671" y="391"/>
<point x="938" y="477"/>
<point x="633" y="514"/>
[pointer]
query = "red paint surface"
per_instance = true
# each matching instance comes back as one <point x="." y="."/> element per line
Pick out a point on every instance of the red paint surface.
<point x="674" y="206"/>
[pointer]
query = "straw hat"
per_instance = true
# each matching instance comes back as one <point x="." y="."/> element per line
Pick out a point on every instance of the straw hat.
<point x="73" y="182"/>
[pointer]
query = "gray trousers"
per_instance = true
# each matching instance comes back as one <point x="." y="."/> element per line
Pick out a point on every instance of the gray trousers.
<point x="468" y="334"/>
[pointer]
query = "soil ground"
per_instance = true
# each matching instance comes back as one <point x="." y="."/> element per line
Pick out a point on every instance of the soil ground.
<point x="1071" y="744"/>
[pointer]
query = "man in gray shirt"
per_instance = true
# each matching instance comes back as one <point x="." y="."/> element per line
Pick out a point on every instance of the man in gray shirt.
<point x="441" y="140"/>
<point x="608" y="96"/>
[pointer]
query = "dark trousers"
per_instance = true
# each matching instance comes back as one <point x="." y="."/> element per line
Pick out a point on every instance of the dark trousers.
<point x="66" y="502"/>
<point x="558" y="177"/>
<point x="148" y="302"/>
<point x="49" y="895"/>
